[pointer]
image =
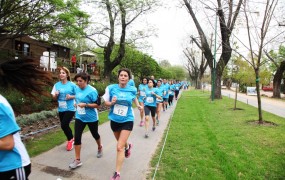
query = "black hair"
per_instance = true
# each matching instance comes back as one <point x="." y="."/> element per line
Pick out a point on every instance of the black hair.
<point x="84" y="76"/>
<point x="126" y="70"/>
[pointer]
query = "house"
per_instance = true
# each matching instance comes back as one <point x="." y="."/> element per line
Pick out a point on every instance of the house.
<point x="29" y="47"/>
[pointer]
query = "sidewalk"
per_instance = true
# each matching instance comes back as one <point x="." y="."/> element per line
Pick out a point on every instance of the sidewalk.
<point x="53" y="165"/>
<point x="274" y="106"/>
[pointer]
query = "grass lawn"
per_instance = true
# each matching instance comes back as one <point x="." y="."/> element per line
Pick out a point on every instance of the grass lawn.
<point x="40" y="145"/>
<point x="209" y="140"/>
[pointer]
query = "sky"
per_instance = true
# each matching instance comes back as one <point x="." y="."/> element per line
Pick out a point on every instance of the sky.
<point x="173" y="25"/>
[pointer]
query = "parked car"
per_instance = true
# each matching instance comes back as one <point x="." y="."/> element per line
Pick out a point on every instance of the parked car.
<point x="267" y="88"/>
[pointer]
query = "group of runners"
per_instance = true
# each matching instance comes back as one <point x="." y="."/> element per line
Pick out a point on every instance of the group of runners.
<point x="81" y="101"/>
<point x="155" y="96"/>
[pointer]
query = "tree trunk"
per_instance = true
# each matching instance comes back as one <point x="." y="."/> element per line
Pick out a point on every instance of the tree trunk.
<point x="277" y="80"/>
<point x="217" y="85"/>
<point x="236" y="97"/>
<point x="260" y="118"/>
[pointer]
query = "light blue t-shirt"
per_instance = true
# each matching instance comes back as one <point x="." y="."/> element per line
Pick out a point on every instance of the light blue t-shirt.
<point x="177" y="86"/>
<point x="122" y="110"/>
<point x="142" y="88"/>
<point x="131" y="82"/>
<point x="172" y="89"/>
<point x="64" y="89"/>
<point x="18" y="156"/>
<point x="160" y="92"/>
<point x="150" y="99"/>
<point x="87" y="95"/>
<point x="167" y="88"/>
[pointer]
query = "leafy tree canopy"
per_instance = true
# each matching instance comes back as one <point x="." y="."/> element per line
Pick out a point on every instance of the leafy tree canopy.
<point x="49" y="18"/>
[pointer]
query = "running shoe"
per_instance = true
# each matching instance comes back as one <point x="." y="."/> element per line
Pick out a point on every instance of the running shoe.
<point x="128" y="151"/>
<point x="69" y="145"/>
<point x="100" y="152"/>
<point x="157" y="122"/>
<point x="146" y="135"/>
<point x="141" y="123"/>
<point x="116" y="176"/>
<point x="153" y="128"/>
<point x="76" y="163"/>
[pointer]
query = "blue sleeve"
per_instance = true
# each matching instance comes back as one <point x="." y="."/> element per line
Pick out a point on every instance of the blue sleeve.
<point x="8" y="123"/>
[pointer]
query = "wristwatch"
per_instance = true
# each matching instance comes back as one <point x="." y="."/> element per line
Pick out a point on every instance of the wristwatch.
<point x="86" y="105"/>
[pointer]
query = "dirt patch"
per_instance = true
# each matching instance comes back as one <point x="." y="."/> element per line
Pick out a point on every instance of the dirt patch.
<point x="39" y="128"/>
<point x="262" y="123"/>
<point x="236" y="109"/>
<point x="58" y="172"/>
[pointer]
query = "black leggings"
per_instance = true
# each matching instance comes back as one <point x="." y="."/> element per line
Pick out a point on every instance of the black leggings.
<point x="79" y="127"/>
<point x="65" y="118"/>
<point x="21" y="173"/>
<point x="170" y="99"/>
<point x="176" y="93"/>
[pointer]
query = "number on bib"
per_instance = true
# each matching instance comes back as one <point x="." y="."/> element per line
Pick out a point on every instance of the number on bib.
<point x="120" y="110"/>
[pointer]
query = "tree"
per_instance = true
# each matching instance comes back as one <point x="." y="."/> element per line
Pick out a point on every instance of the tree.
<point x="121" y="14"/>
<point x="165" y="64"/>
<point x="255" y="59"/>
<point x="195" y="67"/>
<point x="278" y="60"/>
<point x="40" y="17"/>
<point x="141" y="65"/>
<point x="227" y="16"/>
<point x="178" y="72"/>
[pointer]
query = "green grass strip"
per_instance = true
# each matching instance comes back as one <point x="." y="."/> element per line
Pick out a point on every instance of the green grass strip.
<point x="48" y="141"/>
<point x="209" y="140"/>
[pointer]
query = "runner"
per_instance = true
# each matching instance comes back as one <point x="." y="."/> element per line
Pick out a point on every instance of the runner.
<point x="141" y="92"/>
<point x="86" y="114"/>
<point x="159" y="102"/>
<point x="166" y="94"/>
<point x="120" y="98"/>
<point x="150" y="105"/>
<point x="171" y="93"/>
<point x="64" y="92"/>
<point x="23" y="75"/>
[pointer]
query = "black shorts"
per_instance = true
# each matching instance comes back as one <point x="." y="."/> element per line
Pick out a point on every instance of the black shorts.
<point x="122" y="126"/>
<point x="149" y="109"/>
<point x="165" y="99"/>
<point x="19" y="174"/>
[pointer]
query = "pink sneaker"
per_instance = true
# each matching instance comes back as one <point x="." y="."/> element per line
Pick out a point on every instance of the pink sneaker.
<point x="128" y="151"/>
<point x="141" y="123"/>
<point x="69" y="145"/>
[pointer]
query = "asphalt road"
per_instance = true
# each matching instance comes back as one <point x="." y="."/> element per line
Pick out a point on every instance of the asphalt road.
<point x="274" y="106"/>
<point x="53" y="165"/>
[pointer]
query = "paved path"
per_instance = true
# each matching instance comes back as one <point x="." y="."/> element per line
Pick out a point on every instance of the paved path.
<point x="53" y="165"/>
<point x="271" y="105"/>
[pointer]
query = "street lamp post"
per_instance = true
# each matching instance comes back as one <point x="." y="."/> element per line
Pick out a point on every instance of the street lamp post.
<point x="214" y="61"/>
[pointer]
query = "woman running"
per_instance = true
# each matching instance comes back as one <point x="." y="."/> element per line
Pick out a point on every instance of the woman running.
<point x="120" y="98"/>
<point x="86" y="114"/>
<point x="150" y="105"/>
<point x="141" y="91"/>
<point x="171" y="93"/>
<point x="64" y="92"/>
<point x="159" y="102"/>
<point x="23" y="75"/>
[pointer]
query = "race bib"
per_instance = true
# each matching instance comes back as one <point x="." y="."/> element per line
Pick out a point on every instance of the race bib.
<point x="149" y="99"/>
<point x="62" y="104"/>
<point x="80" y="110"/>
<point x="142" y="93"/>
<point x="120" y="110"/>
